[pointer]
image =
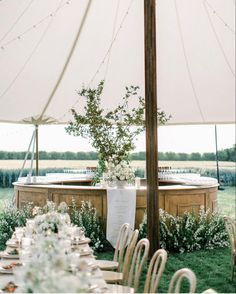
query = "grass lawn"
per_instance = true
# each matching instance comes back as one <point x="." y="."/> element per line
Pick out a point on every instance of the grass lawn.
<point x="5" y="194"/>
<point x="227" y="201"/>
<point x="212" y="269"/>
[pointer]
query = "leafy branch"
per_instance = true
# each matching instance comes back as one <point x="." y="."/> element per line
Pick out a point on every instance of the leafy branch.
<point x="112" y="132"/>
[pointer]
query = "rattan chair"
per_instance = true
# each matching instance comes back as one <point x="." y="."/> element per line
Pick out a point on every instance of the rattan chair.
<point x="230" y="225"/>
<point x="155" y="271"/>
<point x="176" y="280"/>
<point x="116" y="277"/>
<point x="139" y="259"/>
<point x="121" y="244"/>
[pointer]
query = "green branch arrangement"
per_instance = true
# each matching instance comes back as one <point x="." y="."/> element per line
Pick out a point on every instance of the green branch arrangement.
<point x="112" y="132"/>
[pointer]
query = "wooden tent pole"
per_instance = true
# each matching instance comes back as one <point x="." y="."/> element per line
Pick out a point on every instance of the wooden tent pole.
<point x="151" y="125"/>
<point x="217" y="160"/>
<point x="37" y="150"/>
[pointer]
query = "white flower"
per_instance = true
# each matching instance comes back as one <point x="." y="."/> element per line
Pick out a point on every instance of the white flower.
<point x="118" y="171"/>
<point x="63" y="207"/>
<point x="35" y="210"/>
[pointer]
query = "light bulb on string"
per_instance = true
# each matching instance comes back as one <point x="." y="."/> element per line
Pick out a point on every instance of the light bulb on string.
<point x="34" y="26"/>
<point x="109" y="49"/>
<point x="218" y="16"/>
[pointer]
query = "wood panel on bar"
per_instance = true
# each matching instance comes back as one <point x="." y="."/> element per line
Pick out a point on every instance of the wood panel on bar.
<point x="174" y="199"/>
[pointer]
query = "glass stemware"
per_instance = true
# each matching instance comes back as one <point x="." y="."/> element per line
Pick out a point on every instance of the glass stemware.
<point x="74" y="261"/>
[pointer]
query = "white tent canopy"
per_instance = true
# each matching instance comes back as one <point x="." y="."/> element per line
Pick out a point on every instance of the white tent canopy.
<point x="50" y="49"/>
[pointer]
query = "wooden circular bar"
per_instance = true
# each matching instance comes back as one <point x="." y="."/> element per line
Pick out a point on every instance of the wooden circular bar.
<point x="174" y="199"/>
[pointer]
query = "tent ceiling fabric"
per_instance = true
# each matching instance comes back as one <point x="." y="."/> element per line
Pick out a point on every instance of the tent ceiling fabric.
<point x="195" y="56"/>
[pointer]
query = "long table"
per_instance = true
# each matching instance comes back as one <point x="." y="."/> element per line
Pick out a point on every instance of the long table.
<point x="96" y="277"/>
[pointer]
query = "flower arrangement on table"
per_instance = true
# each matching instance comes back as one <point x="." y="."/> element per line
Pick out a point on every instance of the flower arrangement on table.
<point x="51" y="221"/>
<point x="118" y="171"/>
<point x="51" y="218"/>
<point x="49" y="207"/>
<point x="48" y="269"/>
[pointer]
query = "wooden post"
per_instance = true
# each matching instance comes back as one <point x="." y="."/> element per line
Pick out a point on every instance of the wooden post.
<point x="217" y="160"/>
<point x="151" y="125"/>
<point x="37" y="150"/>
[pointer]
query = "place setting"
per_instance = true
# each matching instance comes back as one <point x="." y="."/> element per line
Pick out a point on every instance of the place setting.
<point x="10" y="254"/>
<point x="51" y="250"/>
<point x="8" y="268"/>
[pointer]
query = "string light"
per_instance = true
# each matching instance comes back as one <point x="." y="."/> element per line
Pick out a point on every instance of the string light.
<point x="218" y="40"/>
<point x="187" y="62"/>
<point x="219" y="17"/>
<point x="103" y="60"/>
<point x="32" y="27"/>
<point x="29" y="57"/>
<point x="113" y="33"/>
<point x="16" y="21"/>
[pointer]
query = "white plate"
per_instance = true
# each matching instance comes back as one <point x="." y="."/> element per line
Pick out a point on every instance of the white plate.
<point x="81" y="242"/>
<point x="84" y="241"/>
<point x="5" y="271"/>
<point x="85" y="252"/>
<point x="12" y="243"/>
<point x="9" y="256"/>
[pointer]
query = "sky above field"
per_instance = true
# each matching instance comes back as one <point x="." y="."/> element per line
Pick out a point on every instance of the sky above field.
<point x="171" y="138"/>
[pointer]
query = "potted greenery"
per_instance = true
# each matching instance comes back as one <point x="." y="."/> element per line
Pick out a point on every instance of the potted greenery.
<point x="112" y="133"/>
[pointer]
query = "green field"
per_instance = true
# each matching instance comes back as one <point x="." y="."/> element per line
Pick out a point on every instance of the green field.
<point x="76" y="164"/>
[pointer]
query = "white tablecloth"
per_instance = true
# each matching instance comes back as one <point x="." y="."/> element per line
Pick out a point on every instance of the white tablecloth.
<point x="121" y="207"/>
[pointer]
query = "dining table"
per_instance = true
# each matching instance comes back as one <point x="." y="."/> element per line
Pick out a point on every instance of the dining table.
<point x="97" y="282"/>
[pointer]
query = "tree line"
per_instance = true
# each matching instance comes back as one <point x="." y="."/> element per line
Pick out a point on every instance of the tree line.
<point x="228" y="154"/>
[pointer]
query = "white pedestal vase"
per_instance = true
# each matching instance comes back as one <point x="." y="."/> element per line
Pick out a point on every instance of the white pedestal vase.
<point x="121" y="184"/>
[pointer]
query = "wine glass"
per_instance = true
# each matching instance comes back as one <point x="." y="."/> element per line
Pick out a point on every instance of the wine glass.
<point x="74" y="261"/>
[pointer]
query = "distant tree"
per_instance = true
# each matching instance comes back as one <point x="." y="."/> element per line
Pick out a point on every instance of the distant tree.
<point x="183" y="156"/>
<point x="228" y="154"/>
<point x="43" y="155"/>
<point x="21" y="155"/>
<point x="53" y="155"/>
<point x="3" y="155"/>
<point x="209" y="156"/>
<point x="223" y="155"/>
<point x="69" y="155"/>
<point x="231" y="152"/>
<point x="171" y="156"/>
<point x="195" y="156"/>
<point x="138" y="156"/>
<point x="161" y="156"/>
<point x="93" y="155"/>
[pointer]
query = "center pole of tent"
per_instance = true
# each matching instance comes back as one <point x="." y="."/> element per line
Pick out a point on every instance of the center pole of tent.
<point x="151" y="125"/>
